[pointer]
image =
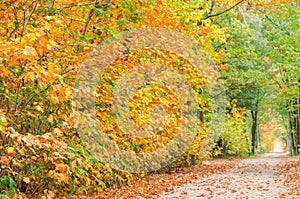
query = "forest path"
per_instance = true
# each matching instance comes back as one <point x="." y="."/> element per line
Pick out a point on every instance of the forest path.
<point x="271" y="176"/>
<point x="252" y="178"/>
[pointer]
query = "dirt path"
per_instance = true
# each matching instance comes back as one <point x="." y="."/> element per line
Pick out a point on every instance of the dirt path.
<point x="268" y="177"/>
<point x="251" y="178"/>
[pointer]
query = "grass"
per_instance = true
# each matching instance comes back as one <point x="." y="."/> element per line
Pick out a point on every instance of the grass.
<point x="252" y="156"/>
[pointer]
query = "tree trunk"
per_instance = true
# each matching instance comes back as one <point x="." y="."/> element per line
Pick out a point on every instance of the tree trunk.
<point x="254" y="132"/>
<point x="293" y="116"/>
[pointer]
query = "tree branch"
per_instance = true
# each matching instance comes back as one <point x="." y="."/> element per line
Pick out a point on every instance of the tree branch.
<point x="73" y="5"/>
<point x="28" y="20"/>
<point x="213" y="3"/>
<point x="91" y="13"/>
<point x="222" y="12"/>
<point x="277" y="25"/>
<point x="87" y="22"/>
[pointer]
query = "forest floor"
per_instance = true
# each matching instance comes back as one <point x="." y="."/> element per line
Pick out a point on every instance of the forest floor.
<point x="270" y="176"/>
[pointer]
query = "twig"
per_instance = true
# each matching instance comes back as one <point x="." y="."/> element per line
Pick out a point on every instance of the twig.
<point x="16" y="23"/>
<point x="28" y="20"/>
<point x="87" y="22"/>
<point x="275" y="24"/>
<point x="222" y="12"/>
<point x="73" y="5"/>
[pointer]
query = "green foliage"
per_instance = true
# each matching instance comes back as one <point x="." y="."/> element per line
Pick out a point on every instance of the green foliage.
<point x="7" y="186"/>
<point x="282" y="31"/>
<point x="233" y="139"/>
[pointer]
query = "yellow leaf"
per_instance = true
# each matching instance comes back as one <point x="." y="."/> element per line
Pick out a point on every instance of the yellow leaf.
<point x="10" y="150"/>
<point x="39" y="108"/>
<point x="50" y="118"/>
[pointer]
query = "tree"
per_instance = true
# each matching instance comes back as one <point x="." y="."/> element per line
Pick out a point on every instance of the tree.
<point x="42" y="46"/>
<point x="282" y="31"/>
<point x="246" y="79"/>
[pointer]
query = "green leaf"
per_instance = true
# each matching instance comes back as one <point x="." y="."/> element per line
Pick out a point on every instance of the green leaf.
<point x="8" y="182"/>
<point x="99" y="12"/>
<point x="122" y="21"/>
<point x="2" y="122"/>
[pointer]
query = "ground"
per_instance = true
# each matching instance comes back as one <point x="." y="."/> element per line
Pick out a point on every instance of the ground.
<point x="273" y="175"/>
<point x="251" y="178"/>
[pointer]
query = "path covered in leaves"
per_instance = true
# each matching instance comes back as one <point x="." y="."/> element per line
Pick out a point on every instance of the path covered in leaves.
<point x="270" y="176"/>
<point x="251" y="178"/>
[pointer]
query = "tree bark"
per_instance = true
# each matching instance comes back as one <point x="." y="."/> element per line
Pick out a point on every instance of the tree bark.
<point x="254" y="133"/>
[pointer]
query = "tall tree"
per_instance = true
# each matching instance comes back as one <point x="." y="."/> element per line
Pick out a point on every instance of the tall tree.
<point x="282" y="31"/>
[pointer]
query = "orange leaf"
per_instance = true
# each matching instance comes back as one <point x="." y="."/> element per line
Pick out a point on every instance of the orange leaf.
<point x="61" y="167"/>
<point x="4" y="160"/>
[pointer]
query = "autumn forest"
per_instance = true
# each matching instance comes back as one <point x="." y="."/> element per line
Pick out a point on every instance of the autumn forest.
<point x="114" y="98"/>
